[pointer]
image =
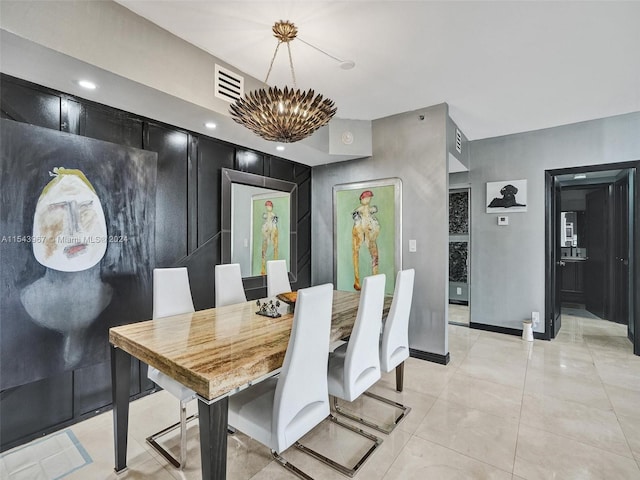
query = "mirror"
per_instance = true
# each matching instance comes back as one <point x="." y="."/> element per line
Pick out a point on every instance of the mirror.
<point x="572" y="238"/>
<point x="259" y="222"/>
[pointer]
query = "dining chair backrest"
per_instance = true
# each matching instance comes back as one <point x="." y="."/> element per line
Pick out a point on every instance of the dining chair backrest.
<point x="394" y="348"/>
<point x="302" y="396"/>
<point x="171" y="292"/>
<point x="228" y="285"/>
<point x="362" y="360"/>
<point x="277" y="278"/>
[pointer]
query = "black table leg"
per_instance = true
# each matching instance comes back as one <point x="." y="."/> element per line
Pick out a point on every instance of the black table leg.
<point x="120" y="379"/>
<point x="213" y="438"/>
<point x="400" y="377"/>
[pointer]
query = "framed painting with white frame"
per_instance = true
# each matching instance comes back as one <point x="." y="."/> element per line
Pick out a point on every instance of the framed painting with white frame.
<point x="507" y="196"/>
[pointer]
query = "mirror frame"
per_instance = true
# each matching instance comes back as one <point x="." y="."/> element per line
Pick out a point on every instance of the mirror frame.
<point x="229" y="177"/>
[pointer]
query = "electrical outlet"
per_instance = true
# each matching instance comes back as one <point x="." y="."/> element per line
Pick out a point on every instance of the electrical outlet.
<point x="458" y="291"/>
<point x="412" y="245"/>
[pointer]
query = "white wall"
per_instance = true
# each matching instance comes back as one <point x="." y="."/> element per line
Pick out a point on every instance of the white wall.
<point x="507" y="263"/>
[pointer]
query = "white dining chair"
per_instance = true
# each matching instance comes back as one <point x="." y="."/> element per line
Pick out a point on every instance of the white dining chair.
<point x="277" y="278"/>
<point x="394" y="347"/>
<point x="172" y="296"/>
<point x="228" y="285"/>
<point x="351" y="374"/>
<point x="278" y="411"/>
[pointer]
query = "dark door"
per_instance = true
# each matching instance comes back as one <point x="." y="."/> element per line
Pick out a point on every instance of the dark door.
<point x="621" y="251"/>
<point x="596" y="283"/>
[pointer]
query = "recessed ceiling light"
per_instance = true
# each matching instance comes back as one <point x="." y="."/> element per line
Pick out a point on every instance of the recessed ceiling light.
<point x="280" y="148"/>
<point x="579" y="176"/>
<point x="87" y="84"/>
<point x="210" y="125"/>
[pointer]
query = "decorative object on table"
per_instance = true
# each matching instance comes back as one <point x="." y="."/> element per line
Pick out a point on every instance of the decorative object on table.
<point x="289" y="297"/>
<point x="507" y="196"/>
<point x="283" y="115"/>
<point x="77" y="232"/>
<point x="367" y="232"/>
<point x="268" y="309"/>
<point x="270" y="228"/>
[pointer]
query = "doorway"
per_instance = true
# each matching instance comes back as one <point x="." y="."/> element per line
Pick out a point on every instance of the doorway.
<point x="593" y="231"/>
<point x="459" y="236"/>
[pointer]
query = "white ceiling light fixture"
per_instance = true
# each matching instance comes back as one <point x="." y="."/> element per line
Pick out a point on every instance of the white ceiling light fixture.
<point x="280" y="148"/>
<point x="89" y="85"/>
<point x="580" y="176"/>
<point x="210" y="125"/>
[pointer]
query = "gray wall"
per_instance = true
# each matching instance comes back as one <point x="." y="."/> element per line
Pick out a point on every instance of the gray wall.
<point x="416" y="151"/>
<point x="507" y="263"/>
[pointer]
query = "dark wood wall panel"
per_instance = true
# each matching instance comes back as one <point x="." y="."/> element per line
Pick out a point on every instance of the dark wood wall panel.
<point x="35" y="407"/>
<point x="29" y="105"/>
<point x="249" y="161"/>
<point x="212" y="157"/>
<point x="282" y="169"/>
<point x="171" y="193"/>
<point x="304" y="198"/>
<point x="187" y="234"/>
<point x="200" y="265"/>
<point x="98" y="122"/>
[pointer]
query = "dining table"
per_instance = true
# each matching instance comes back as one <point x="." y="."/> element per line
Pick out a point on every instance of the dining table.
<point x="215" y="352"/>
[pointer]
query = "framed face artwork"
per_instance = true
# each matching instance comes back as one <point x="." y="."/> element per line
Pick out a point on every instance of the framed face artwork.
<point x="367" y="232"/>
<point x="77" y="243"/>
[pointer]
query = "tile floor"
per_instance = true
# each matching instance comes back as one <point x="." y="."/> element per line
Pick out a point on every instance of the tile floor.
<point x="502" y="409"/>
<point x="459" y="314"/>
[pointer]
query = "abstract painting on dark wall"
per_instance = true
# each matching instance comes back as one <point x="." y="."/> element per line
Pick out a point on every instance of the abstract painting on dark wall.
<point x="76" y="248"/>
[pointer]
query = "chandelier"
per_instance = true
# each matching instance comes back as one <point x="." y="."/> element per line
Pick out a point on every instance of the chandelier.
<point x="283" y="115"/>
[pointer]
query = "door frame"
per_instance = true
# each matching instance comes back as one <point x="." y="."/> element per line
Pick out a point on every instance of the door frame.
<point x="634" y="244"/>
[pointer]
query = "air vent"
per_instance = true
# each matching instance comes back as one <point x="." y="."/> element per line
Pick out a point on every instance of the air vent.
<point x="458" y="141"/>
<point x="228" y="85"/>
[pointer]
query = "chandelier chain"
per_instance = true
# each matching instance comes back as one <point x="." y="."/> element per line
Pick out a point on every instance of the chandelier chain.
<point x="293" y="73"/>
<point x="272" y="60"/>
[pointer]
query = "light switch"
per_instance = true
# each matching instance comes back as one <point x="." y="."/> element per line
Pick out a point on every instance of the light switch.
<point x="412" y="245"/>
<point x="246" y="243"/>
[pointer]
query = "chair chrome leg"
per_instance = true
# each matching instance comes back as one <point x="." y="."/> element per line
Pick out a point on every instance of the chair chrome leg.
<point x="289" y="466"/>
<point x="375" y="426"/>
<point x="183" y="435"/>
<point x="350" y="472"/>
<point x="152" y="440"/>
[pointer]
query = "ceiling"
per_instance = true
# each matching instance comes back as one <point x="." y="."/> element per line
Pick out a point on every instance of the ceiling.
<point x="503" y="67"/>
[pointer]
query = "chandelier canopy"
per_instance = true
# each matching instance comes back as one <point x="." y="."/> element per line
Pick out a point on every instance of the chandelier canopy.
<point x="283" y="115"/>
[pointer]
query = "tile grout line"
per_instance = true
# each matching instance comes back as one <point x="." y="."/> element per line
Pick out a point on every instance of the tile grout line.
<point x="604" y="387"/>
<point x="524" y="383"/>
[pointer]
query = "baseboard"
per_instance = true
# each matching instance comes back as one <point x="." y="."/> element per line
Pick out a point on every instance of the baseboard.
<point x="458" y="302"/>
<point x="505" y="330"/>
<point x="430" y="357"/>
